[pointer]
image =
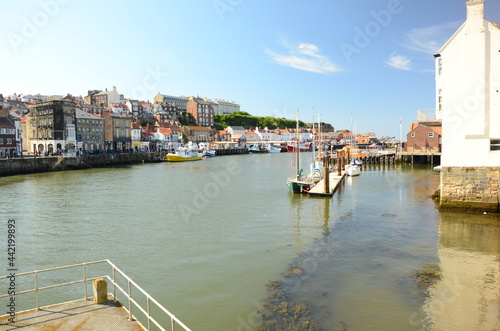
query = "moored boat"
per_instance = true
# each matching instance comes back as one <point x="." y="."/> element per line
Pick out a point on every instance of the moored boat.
<point x="184" y="154"/>
<point x="302" y="147"/>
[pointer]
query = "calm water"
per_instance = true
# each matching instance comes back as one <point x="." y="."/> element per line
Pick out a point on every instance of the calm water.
<point x="204" y="238"/>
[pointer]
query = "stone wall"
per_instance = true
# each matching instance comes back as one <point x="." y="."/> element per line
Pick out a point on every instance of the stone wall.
<point x="474" y="189"/>
<point x="28" y="165"/>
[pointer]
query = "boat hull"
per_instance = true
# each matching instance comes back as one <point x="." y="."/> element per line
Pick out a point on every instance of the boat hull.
<point x="302" y="148"/>
<point x="353" y="170"/>
<point x="179" y="158"/>
<point x="298" y="186"/>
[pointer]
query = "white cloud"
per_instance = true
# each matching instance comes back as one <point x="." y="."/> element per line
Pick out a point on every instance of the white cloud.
<point x="429" y="40"/>
<point x="304" y="57"/>
<point x="400" y="62"/>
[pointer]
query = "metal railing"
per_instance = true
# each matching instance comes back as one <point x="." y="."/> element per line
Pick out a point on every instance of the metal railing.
<point x="127" y="292"/>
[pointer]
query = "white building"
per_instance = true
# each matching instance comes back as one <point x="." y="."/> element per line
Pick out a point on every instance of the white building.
<point x="468" y="101"/>
<point x="225" y="107"/>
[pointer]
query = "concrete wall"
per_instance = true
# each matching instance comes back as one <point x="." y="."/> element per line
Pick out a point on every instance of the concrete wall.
<point x="474" y="189"/>
<point x="30" y="165"/>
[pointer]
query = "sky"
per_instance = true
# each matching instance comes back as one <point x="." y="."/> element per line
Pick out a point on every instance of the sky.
<point x="365" y="64"/>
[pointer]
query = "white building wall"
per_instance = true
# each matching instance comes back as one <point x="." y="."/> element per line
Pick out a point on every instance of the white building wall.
<point x="469" y="82"/>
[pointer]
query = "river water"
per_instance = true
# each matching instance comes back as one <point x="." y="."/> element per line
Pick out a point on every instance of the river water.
<point x="205" y="239"/>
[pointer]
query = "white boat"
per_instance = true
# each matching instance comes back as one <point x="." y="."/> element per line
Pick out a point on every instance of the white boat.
<point x="273" y="149"/>
<point x="437" y="168"/>
<point x="254" y="149"/>
<point x="352" y="169"/>
<point x="205" y="150"/>
<point x="184" y="154"/>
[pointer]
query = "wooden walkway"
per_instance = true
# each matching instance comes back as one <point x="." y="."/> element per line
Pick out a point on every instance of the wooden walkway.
<point x="74" y="315"/>
<point x="334" y="182"/>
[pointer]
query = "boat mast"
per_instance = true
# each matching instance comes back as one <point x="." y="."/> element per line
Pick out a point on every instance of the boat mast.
<point x="297" y="143"/>
<point x="313" y="148"/>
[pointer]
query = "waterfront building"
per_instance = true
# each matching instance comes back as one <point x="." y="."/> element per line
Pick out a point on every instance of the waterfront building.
<point x="117" y="134"/>
<point x="467" y="100"/>
<point x="51" y="127"/>
<point x="197" y="134"/>
<point x="89" y="131"/>
<point x="266" y="134"/>
<point x="7" y="137"/>
<point x="423" y="139"/>
<point x="179" y="102"/>
<point x="166" y="138"/>
<point x="235" y="130"/>
<point x="202" y="111"/>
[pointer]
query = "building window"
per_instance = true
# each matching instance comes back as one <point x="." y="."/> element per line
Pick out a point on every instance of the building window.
<point x="413" y="134"/>
<point x="430" y="134"/>
<point x="439" y="65"/>
<point x="494" y="144"/>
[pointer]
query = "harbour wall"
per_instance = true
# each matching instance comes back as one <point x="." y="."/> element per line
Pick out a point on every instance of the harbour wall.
<point x="29" y="165"/>
<point x="474" y="189"/>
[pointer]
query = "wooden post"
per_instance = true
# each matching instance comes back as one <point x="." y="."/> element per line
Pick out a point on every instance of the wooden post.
<point x="326" y="179"/>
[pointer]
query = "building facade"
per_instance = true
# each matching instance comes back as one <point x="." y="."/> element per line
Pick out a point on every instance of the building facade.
<point x="202" y="111"/>
<point x="468" y="101"/>
<point x="117" y="132"/>
<point x="7" y="137"/>
<point x="51" y="127"/>
<point x="89" y="132"/>
<point x="422" y="139"/>
<point x="179" y="102"/>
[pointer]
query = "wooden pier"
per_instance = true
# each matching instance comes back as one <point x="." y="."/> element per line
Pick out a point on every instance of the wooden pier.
<point x="328" y="185"/>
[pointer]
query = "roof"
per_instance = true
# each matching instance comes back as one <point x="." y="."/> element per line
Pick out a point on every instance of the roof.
<point x="83" y="114"/>
<point x="198" y="128"/>
<point x="234" y="128"/>
<point x="165" y="131"/>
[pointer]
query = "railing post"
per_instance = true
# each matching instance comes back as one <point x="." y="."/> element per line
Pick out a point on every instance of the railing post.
<point x="36" y="292"/>
<point x="129" y="300"/>
<point x="172" y="323"/>
<point x="149" y="312"/>
<point x="85" y="282"/>
<point x="114" y="284"/>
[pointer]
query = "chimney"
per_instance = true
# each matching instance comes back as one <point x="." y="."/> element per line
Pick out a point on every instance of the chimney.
<point x="475" y="12"/>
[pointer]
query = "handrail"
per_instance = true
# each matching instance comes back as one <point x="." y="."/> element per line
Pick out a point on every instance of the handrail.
<point x="128" y="292"/>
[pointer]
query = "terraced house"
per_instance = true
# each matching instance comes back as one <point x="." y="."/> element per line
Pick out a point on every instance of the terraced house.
<point x="89" y="132"/>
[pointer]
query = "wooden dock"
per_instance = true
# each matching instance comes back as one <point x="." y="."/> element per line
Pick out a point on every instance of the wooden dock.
<point x="73" y="315"/>
<point x="328" y="185"/>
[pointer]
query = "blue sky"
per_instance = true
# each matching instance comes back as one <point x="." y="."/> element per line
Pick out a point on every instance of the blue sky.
<point x="369" y="58"/>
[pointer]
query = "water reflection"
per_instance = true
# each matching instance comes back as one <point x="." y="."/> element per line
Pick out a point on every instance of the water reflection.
<point x="468" y="295"/>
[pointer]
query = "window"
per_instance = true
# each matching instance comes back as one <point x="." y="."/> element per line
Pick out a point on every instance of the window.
<point x="495" y="145"/>
<point x="413" y="134"/>
<point x="439" y="65"/>
<point x="430" y="134"/>
<point x="1" y="141"/>
<point x="9" y="141"/>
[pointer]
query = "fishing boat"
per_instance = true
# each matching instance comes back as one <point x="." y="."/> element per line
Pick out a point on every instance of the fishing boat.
<point x="306" y="147"/>
<point x="273" y="149"/>
<point x="298" y="182"/>
<point x="184" y="154"/>
<point x="253" y="149"/>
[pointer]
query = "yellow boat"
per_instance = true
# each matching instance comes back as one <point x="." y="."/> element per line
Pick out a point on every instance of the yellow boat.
<point x="184" y="154"/>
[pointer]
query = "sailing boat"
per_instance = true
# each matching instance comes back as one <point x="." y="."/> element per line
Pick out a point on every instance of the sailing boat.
<point x="298" y="183"/>
<point x="315" y="174"/>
